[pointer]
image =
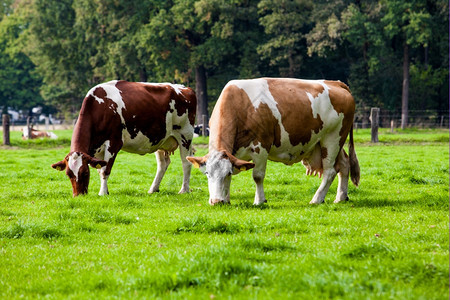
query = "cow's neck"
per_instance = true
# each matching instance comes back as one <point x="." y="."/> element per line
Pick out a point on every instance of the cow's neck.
<point x="81" y="137"/>
<point x="223" y="137"/>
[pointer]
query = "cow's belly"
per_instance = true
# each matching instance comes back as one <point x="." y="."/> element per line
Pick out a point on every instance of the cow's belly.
<point x="142" y="145"/>
<point x="291" y="155"/>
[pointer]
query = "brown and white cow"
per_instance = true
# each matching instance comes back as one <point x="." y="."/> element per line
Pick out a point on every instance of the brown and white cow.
<point x="37" y="134"/>
<point x="136" y="117"/>
<point x="283" y="120"/>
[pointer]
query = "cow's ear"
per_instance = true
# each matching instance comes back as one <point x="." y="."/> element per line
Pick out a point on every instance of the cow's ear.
<point x="61" y="165"/>
<point x="240" y="164"/>
<point x="197" y="162"/>
<point x="97" y="163"/>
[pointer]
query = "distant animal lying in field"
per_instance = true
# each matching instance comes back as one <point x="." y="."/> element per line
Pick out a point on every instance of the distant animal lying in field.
<point x="283" y="120"/>
<point x="136" y="117"/>
<point x="36" y="134"/>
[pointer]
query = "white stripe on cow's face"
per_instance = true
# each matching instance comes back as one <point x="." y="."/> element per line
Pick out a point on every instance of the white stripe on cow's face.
<point x="75" y="163"/>
<point x="218" y="169"/>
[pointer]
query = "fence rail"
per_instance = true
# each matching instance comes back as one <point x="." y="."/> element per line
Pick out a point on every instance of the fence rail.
<point x="416" y="118"/>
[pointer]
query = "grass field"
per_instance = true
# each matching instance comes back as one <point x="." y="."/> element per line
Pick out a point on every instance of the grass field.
<point x="390" y="241"/>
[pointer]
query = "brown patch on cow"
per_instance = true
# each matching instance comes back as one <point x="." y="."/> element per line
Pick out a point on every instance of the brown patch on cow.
<point x="237" y="124"/>
<point x="185" y="142"/>
<point x="295" y="108"/>
<point x="323" y="152"/>
<point x="100" y="93"/>
<point x="257" y="126"/>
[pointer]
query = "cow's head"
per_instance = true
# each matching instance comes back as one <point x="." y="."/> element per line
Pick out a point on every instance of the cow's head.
<point x="218" y="166"/>
<point x="76" y="165"/>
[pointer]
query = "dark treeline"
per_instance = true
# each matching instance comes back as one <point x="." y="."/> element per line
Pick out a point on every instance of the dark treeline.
<point x="389" y="52"/>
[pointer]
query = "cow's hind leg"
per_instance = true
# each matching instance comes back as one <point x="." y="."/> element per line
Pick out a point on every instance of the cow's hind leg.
<point x="162" y="161"/>
<point x="343" y="167"/>
<point x="330" y="151"/>
<point x="187" y="166"/>
<point x="259" y="172"/>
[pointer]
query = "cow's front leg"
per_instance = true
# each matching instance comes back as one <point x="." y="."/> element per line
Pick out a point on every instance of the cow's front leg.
<point x="108" y="154"/>
<point x="187" y="166"/>
<point x="103" y="182"/>
<point x="162" y="161"/>
<point x="259" y="172"/>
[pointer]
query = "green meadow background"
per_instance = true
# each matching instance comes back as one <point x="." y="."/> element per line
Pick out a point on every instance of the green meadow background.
<point x="390" y="241"/>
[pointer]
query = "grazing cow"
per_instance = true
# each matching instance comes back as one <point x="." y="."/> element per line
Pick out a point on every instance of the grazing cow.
<point x="36" y="134"/>
<point x="136" y="117"/>
<point x="283" y="120"/>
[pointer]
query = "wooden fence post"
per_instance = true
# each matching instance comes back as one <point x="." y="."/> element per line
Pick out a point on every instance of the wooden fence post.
<point x="374" y="120"/>
<point x="5" y="122"/>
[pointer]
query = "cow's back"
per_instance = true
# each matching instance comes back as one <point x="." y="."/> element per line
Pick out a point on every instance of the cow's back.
<point x="134" y="113"/>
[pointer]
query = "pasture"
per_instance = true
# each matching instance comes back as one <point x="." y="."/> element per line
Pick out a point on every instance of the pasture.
<point x="390" y="241"/>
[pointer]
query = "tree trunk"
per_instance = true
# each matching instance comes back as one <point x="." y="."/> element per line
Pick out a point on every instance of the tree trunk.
<point x="202" y="95"/>
<point x="143" y="74"/>
<point x="405" y="90"/>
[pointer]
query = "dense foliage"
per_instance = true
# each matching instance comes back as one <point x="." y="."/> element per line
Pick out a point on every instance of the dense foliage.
<point x="52" y="52"/>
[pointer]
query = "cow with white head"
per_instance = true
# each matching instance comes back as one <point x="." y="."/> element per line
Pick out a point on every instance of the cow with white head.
<point x="283" y="120"/>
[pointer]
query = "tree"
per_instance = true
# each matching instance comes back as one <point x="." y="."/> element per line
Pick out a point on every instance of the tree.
<point x="188" y="38"/>
<point x="110" y="28"/>
<point x="284" y="22"/>
<point x="409" y="22"/>
<point x="19" y="84"/>
<point x="56" y="46"/>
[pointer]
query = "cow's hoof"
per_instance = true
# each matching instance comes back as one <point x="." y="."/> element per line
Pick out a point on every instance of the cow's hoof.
<point x="315" y="202"/>
<point x="151" y="191"/>
<point x="259" y="203"/>
<point x="183" y="191"/>
<point x="218" y="202"/>
<point x="341" y="200"/>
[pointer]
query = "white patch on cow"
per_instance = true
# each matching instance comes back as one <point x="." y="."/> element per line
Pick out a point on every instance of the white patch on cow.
<point x="321" y="104"/>
<point x="52" y="136"/>
<point x="177" y="87"/>
<point x="108" y="155"/>
<point x="113" y="93"/>
<point x="332" y="121"/>
<point x="26" y="133"/>
<point x="91" y="92"/>
<point x="75" y="163"/>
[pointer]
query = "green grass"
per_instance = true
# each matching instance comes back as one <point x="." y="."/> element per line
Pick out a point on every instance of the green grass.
<point x="390" y="241"/>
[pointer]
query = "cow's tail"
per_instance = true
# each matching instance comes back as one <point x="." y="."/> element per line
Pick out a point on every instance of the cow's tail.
<point x="354" y="164"/>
